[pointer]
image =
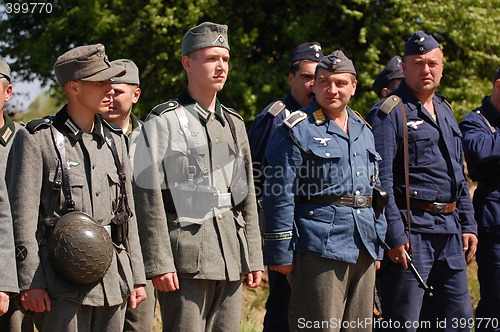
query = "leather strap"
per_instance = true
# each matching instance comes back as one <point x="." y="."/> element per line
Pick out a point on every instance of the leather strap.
<point x="357" y="201"/>
<point x="428" y="206"/>
<point x="406" y="162"/>
<point x="58" y="138"/>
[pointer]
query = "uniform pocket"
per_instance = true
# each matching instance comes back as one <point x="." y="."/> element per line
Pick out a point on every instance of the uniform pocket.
<point x="243" y="242"/>
<point x="186" y="243"/>
<point x="421" y="146"/>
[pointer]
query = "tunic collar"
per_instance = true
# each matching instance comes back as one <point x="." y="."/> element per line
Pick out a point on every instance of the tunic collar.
<point x="63" y="120"/>
<point x="204" y="114"/>
<point x="8" y="129"/>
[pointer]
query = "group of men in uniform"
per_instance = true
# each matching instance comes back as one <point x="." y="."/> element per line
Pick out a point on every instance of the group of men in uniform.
<point x="173" y="202"/>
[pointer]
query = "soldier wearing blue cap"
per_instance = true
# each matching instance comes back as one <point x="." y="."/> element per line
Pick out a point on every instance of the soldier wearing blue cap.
<point x="320" y="223"/>
<point x="389" y="78"/>
<point x="481" y="130"/>
<point x="301" y="78"/>
<point x="441" y="233"/>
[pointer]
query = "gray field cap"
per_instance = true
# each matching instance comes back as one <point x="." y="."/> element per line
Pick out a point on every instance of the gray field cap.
<point x="85" y="63"/>
<point x="207" y="34"/>
<point x="5" y="70"/>
<point x="337" y="62"/>
<point x="132" y="74"/>
<point x="392" y="71"/>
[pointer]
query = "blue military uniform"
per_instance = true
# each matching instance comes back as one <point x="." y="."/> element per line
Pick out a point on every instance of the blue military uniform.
<point x="318" y="158"/>
<point x="436" y="175"/>
<point x="481" y="137"/>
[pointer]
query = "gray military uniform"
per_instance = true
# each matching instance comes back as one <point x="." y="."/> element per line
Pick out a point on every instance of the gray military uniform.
<point x="13" y="320"/>
<point x="95" y="187"/>
<point x="222" y="244"/>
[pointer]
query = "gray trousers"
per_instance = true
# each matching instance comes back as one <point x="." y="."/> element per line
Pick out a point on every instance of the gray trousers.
<point x="141" y="318"/>
<point x="330" y="295"/>
<point x="202" y="305"/>
<point x="67" y="316"/>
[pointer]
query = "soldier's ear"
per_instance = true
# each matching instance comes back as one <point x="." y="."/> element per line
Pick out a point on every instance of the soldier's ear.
<point x="186" y="63"/>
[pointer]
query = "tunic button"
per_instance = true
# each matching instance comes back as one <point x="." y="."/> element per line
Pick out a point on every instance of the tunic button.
<point x="97" y="193"/>
<point x="415" y="193"/>
<point x="327" y="154"/>
<point x="358" y="211"/>
<point x="188" y="152"/>
<point x="217" y="140"/>
<point x="218" y="166"/>
<point x="175" y="222"/>
<point x="358" y="173"/>
<point x="311" y="213"/>
<point x="357" y="192"/>
<point x="355" y="154"/>
<point x="219" y="217"/>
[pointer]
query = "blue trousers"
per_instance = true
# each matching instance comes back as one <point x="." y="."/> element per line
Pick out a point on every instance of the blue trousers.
<point x="276" y="318"/>
<point x="488" y="273"/>
<point x="440" y="260"/>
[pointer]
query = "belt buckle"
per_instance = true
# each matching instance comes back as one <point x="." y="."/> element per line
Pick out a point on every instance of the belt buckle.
<point x="438" y="207"/>
<point x="359" y="201"/>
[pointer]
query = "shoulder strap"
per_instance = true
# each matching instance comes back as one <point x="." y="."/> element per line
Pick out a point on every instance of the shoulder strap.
<point x="406" y="161"/>
<point x="276" y="108"/>
<point x="488" y="123"/>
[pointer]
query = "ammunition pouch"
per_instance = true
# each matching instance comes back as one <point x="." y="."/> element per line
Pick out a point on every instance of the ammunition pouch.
<point x="380" y="198"/>
<point x="119" y="227"/>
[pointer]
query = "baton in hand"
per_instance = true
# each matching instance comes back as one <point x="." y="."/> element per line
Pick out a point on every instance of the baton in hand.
<point x="421" y="283"/>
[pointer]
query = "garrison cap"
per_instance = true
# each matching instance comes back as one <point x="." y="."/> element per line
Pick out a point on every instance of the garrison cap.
<point x="337" y="62"/>
<point x="420" y="43"/>
<point x="207" y="34"/>
<point x="307" y="51"/>
<point x="5" y="70"/>
<point x="85" y="63"/>
<point x="392" y="71"/>
<point x="132" y="74"/>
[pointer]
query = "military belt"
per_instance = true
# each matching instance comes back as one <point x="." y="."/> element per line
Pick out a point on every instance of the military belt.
<point x="356" y="201"/>
<point x="427" y="206"/>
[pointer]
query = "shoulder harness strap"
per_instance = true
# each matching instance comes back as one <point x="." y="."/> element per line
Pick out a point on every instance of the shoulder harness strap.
<point x="231" y="111"/>
<point x="294" y="118"/>
<point x="389" y="104"/>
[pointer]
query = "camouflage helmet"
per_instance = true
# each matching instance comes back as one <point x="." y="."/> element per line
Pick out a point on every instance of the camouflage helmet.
<point x="80" y="249"/>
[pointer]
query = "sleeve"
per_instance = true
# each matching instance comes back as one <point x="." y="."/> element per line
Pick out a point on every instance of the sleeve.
<point x="24" y="182"/>
<point x="149" y="147"/>
<point x="250" y="208"/>
<point x="134" y="247"/>
<point x="480" y="144"/>
<point x="387" y="142"/>
<point x="8" y="272"/>
<point x="278" y="197"/>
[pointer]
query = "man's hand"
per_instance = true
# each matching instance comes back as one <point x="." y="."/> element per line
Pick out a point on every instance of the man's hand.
<point x="137" y="297"/>
<point x="285" y="269"/>
<point x="253" y="279"/>
<point x="470" y="245"/>
<point x="4" y="302"/>
<point x="36" y="299"/>
<point x="167" y="282"/>
<point x="397" y="255"/>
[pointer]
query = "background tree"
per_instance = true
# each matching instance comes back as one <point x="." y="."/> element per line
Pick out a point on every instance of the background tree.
<point x="262" y="36"/>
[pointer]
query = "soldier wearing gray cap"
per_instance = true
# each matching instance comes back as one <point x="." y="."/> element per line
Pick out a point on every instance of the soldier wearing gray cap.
<point x="303" y="62"/>
<point x="14" y="318"/>
<point x="321" y="226"/>
<point x="120" y="116"/>
<point x="430" y="213"/>
<point x="75" y="164"/>
<point x="195" y="196"/>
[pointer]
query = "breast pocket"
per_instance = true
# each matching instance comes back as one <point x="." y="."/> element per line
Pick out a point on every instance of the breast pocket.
<point x="325" y="163"/>
<point x="421" y="147"/>
<point x="373" y="160"/>
<point x="457" y="142"/>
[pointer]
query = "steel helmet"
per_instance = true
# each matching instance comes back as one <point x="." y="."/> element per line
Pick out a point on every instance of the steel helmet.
<point x="80" y="249"/>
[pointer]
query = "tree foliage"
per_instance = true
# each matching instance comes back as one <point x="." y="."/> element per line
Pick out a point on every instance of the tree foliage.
<point x="262" y="36"/>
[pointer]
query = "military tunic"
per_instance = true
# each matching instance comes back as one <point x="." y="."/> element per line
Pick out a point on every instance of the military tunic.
<point x="7" y="133"/>
<point x="201" y="241"/>
<point x="436" y="175"/>
<point x="481" y="135"/>
<point x="95" y="187"/>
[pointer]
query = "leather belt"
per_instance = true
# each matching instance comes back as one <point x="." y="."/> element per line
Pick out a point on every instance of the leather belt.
<point x="428" y="206"/>
<point x="356" y="201"/>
